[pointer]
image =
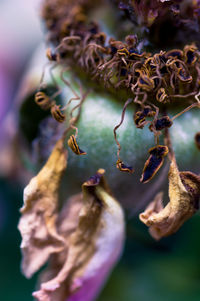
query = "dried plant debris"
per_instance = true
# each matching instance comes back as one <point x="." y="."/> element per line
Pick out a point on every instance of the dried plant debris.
<point x="39" y="213"/>
<point x="91" y="249"/>
<point x="120" y="64"/>
<point x="154" y="82"/>
<point x="184" y="195"/>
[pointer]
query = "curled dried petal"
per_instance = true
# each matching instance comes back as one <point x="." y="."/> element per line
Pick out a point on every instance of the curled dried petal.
<point x="184" y="193"/>
<point x="39" y="213"/>
<point x="92" y="247"/>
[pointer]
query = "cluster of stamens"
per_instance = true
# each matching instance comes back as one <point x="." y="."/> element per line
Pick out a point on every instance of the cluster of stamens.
<point x="153" y="81"/>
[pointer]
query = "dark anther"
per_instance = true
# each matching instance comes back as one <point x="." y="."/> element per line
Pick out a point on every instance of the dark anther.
<point x="189" y="54"/>
<point x="161" y="96"/>
<point x="140" y="116"/>
<point x="162" y="123"/>
<point x="74" y="146"/>
<point x="154" y="162"/>
<point x="122" y="167"/>
<point x="176" y="53"/>
<point x="183" y="76"/>
<point x="57" y="114"/>
<point x="145" y="82"/>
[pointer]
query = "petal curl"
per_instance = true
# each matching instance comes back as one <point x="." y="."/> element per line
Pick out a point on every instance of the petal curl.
<point x="184" y="194"/>
<point x="92" y="249"/>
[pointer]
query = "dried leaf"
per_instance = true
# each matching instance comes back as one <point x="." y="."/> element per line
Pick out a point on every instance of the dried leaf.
<point x="39" y="213"/>
<point x="92" y="248"/>
<point x="184" y="192"/>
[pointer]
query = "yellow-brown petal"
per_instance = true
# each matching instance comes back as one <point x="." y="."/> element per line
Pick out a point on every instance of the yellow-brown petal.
<point x="184" y="195"/>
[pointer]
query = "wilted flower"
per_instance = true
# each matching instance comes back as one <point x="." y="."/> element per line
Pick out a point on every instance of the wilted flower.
<point x="79" y="240"/>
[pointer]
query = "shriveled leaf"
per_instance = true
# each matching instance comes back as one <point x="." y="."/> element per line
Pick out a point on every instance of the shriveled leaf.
<point x="184" y="193"/>
<point x="39" y="213"/>
<point x="79" y="271"/>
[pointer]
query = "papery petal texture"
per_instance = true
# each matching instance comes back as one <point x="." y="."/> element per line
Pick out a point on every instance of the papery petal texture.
<point x="184" y="193"/>
<point x="92" y="249"/>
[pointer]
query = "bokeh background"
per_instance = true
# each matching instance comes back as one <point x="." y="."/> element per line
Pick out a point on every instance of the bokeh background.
<point x="148" y="270"/>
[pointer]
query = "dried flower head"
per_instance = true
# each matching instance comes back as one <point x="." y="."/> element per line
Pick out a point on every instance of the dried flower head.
<point x="79" y="241"/>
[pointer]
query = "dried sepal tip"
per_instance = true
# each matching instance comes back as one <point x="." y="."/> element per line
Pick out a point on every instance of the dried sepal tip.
<point x="39" y="213"/>
<point x="74" y="146"/>
<point x="154" y="162"/>
<point x="184" y="194"/>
